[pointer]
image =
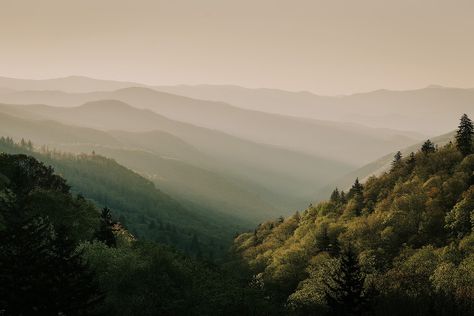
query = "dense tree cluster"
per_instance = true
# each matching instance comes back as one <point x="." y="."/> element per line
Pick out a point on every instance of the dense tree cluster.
<point x="41" y="224"/>
<point x="60" y="255"/>
<point x="401" y="243"/>
<point x="137" y="204"/>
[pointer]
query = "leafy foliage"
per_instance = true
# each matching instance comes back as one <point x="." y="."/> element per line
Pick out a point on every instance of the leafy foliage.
<point x="411" y="231"/>
<point x="40" y="271"/>
<point x="71" y="262"/>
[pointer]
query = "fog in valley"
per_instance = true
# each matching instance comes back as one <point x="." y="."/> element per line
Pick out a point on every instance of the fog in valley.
<point x="222" y="128"/>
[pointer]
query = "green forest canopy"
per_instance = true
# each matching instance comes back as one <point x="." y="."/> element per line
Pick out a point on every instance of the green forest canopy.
<point x="411" y="230"/>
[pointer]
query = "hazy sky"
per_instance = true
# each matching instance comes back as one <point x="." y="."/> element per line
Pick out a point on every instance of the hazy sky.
<point x="328" y="47"/>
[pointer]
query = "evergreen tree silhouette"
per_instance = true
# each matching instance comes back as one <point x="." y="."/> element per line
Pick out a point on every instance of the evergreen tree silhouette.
<point x="397" y="159"/>
<point x="356" y="193"/>
<point x="345" y="293"/>
<point x="428" y="147"/>
<point x="464" y="135"/>
<point x="41" y="274"/>
<point x="335" y="196"/>
<point x="105" y="232"/>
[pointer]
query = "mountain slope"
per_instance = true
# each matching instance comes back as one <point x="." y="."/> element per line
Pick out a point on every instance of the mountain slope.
<point x="192" y="186"/>
<point x="189" y="182"/>
<point x="48" y="131"/>
<point x="368" y="247"/>
<point x="380" y="165"/>
<point x="279" y="170"/>
<point x="147" y="211"/>
<point x="56" y="244"/>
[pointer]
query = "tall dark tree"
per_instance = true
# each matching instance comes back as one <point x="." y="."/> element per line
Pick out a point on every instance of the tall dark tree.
<point x="357" y="194"/>
<point x="105" y="233"/>
<point x="345" y="294"/>
<point x="464" y="135"/>
<point x="41" y="274"/>
<point x="397" y="160"/>
<point x="428" y="147"/>
<point x="356" y="188"/>
<point x="343" y="197"/>
<point x="335" y="196"/>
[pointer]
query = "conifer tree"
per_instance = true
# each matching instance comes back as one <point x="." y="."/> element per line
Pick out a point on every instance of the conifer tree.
<point x="345" y="293"/>
<point x="41" y="274"/>
<point x="335" y="196"/>
<point x="343" y="197"/>
<point x="428" y="147"/>
<point x="396" y="160"/>
<point x="356" y="188"/>
<point x="105" y="232"/>
<point x="464" y="135"/>
<point x="356" y="193"/>
<point x="397" y="157"/>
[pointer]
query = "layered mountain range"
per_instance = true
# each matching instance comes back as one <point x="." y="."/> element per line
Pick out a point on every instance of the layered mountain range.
<point x="251" y="153"/>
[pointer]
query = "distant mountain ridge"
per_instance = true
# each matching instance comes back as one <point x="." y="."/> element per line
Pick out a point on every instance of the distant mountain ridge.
<point x="278" y="177"/>
<point x="333" y="140"/>
<point x="432" y="110"/>
<point x="66" y="84"/>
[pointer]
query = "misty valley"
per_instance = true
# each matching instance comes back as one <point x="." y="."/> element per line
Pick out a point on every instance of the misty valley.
<point x="119" y="198"/>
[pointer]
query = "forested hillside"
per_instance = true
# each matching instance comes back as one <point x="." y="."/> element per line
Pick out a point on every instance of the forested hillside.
<point x="398" y="244"/>
<point x="60" y="255"/>
<point x="146" y="211"/>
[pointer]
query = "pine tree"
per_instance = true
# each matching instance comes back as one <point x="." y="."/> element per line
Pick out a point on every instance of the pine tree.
<point x="335" y="196"/>
<point x="356" y="188"/>
<point x="345" y="293"/>
<point x="343" y="197"/>
<point x="397" y="159"/>
<point x="428" y="147"/>
<point x="356" y="193"/>
<point x="41" y="274"/>
<point x="105" y="233"/>
<point x="464" y="135"/>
